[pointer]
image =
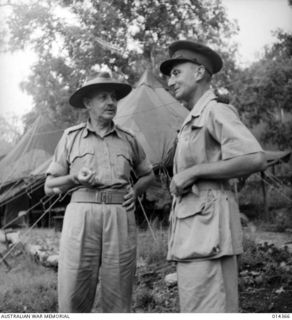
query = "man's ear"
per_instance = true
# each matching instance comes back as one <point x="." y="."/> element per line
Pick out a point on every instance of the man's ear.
<point x="86" y="102"/>
<point x="197" y="72"/>
<point x="200" y="72"/>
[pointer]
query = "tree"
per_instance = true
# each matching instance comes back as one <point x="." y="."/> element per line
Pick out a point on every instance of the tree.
<point x="263" y="92"/>
<point x="74" y="37"/>
<point x="9" y="132"/>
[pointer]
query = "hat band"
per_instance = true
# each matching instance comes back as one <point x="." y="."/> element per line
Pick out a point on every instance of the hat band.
<point x="188" y="55"/>
<point x="192" y="57"/>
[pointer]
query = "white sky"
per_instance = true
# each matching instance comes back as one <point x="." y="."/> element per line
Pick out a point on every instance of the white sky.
<point x="256" y="18"/>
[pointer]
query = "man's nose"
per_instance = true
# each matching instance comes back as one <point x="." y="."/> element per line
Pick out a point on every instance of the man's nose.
<point x="170" y="81"/>
<point x="111" y="100"/>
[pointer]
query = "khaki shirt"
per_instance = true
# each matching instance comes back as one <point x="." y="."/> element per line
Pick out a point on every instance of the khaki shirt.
<point x="112" y="156"/>
<point x="207" y="225"/>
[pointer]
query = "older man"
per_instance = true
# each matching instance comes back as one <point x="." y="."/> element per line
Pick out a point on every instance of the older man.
<point x="99" y="231"/>
<point x="213" y="147"/>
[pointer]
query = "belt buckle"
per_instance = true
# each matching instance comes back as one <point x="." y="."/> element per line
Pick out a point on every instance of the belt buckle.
<point x="102" y="197"/>
<point x="105" y="197"/>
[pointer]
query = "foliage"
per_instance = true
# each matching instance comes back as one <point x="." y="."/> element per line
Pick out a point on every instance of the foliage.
<point x="151" y="292"/>
<point x="265" y="264"/>
<point x="27" y="287"/>
<point x="265" y="279"/>
<point x="8" y="131"/>
<point x="73" y="38"/>
<point x="263" y="92"/>
<point x="251" y="200"/>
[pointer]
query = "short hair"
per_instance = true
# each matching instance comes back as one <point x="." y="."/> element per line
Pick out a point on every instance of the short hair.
<point x="207" y="75"/>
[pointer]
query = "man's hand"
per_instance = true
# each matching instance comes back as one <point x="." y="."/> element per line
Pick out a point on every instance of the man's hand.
<point x="86" y="177"/>
<point x="181" y="183"/>
<point x="130" y="199"/>
<point x="57" y="190"/>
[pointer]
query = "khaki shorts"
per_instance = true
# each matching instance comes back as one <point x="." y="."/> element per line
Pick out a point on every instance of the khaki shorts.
<point x="208" y="286"/>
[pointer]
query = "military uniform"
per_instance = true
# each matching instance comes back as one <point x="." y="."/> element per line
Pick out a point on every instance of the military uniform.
<point x="99" y="235"/>
<point x="205" y="229"/>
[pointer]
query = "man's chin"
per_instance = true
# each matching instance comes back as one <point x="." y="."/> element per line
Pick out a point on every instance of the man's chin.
<point x="178" y="93"/>
<point x="178" y="96"/>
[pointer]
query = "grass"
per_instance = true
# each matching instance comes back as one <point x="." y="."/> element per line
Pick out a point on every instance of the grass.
<point x="152" y="246"/>
<point x="265" y="280"/>
<point x="152" y="294"/>
<point x="28" y="287"/>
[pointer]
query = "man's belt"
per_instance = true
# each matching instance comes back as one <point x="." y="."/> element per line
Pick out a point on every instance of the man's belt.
<point x="99" y="196"/>
<point x="213" y="184"/>
<point x="205" y="185"/>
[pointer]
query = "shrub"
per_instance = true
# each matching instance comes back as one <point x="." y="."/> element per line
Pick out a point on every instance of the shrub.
<point x="265" y="264"/>
<point x="251" y="200"/>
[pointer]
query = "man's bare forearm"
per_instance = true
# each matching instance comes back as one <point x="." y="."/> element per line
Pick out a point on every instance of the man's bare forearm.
<point x="231" y="168"/>
<point x="225" y="169"/>
<point x="143" y="183"/>
<point x="62" y="183"/>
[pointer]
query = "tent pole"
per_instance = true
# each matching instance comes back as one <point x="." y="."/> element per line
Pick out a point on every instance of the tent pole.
<point x="148" y="222"/>
<point x="266" y="209"/>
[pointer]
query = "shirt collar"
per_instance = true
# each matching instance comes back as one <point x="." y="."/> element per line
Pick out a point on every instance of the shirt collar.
<point x="117" y="130"/>
<point x="89" y="128"/>
<point x="200" y="105"/>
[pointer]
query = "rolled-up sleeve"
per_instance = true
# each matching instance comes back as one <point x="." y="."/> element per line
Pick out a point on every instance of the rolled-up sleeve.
<point x="142" y="165"/>
<point x="228" y="130"/>
<point x="59" y="165"/>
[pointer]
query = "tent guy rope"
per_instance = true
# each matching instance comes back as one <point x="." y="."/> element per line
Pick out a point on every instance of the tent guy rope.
<point x="32" y="226"/>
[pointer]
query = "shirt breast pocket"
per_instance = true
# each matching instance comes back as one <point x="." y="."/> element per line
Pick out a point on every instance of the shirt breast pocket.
<point x="83" y="157"/>
<point x="190" y="147"/>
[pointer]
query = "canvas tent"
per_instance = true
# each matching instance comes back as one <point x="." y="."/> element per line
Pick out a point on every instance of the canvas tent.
<point x="153" y="115"/>
<point x="5" y="147"/>
<point x="17" y="183"/>
<point x="149" y="111"/>
<point x="33" y="149"/>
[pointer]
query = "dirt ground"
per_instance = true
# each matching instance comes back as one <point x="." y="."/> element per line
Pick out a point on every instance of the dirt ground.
<point x="260" y="294"/>
<point x="279" y="239"/>
<point x="270" y="293"/>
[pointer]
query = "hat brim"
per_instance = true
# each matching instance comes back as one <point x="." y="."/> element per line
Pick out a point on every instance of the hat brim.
<point x="121" y="90"/>
<point x="204" y="54"/>
<point x="167" y="65"/>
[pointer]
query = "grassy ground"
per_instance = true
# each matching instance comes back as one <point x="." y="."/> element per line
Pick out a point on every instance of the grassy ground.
<point x="28" y="287"/>
<point x="265" y="279"/>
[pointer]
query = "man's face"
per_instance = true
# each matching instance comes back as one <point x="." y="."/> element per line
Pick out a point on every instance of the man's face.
<point x="102" y="105"/>
<point x="183" y="81"/>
